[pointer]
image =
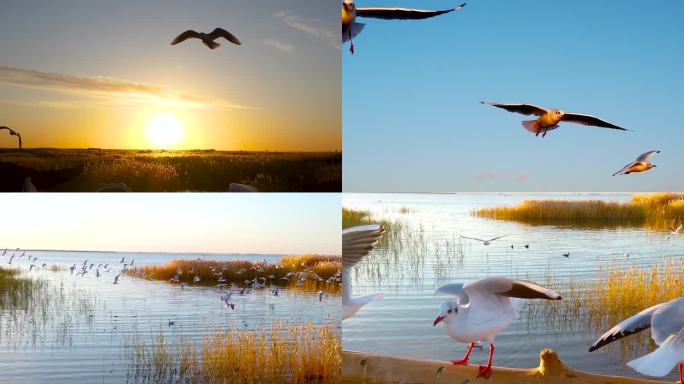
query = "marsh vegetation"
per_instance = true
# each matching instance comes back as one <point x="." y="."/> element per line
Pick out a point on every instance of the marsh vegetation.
<point x="658" y="211"/>
<point x="62" y="170"/>
<point x="281" y="352"/>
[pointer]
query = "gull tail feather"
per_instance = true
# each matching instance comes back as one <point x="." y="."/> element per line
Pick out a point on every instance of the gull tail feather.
<point x="354" y="30"/>
<point x="658" y="363"/>
<point x="211" y="44"/>
<point x="532" y="126"/>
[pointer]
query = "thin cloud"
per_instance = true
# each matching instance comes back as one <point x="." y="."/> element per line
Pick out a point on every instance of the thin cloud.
<point x="279" y="45"/>
<point x="312" y="27"/>
<point x="108" y="88"/>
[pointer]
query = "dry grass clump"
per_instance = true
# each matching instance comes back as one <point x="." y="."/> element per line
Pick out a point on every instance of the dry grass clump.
<point x="653" y="210"/>
<point x="327" y="268"/>
<point x="15" y="291"/>
<point x="281" y="353"/>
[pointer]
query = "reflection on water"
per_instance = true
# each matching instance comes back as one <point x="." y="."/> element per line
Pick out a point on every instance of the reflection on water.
<point x="432" y="253"/>
<point x="78" y="327"/>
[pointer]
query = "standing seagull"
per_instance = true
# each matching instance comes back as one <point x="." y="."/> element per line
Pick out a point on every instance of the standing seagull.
<point x="483" y="309"/>
<point x="667" y="330"/>
<point x="485" y="242"/>
<point x="13" y="133"/>
<point x="641" y="164"/>
<point x="549" y="118"/>
<point x="350" y="28"/>
<point x="356" y="243"/>
<point x="207" y="38"/>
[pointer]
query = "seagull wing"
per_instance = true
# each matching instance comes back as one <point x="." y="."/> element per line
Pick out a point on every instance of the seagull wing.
<point x="630" y="326"/>
<point x="589" y="120"/>
<point x="358" y="241"/>
<point x="401" y="13"/>
<point x="472" y="238"/>
<point x="455" y="290"/>
<point x="507" y="287"/>
<point x="220" y="32"/>
<point x="497" y="238"/>
<point x="646" y="156"/>
<point x="524" y="109"/>
<point x="626" y="167"/>
<point x="667" y="320"/>
<point x="189" y="34"/>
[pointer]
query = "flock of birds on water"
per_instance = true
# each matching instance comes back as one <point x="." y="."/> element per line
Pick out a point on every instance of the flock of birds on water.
<point x="224" y="289"/>
<point x="481" y="309"/>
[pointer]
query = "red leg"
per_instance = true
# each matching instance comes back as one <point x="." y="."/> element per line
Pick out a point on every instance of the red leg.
<point x="487" y="371"/>
<point x="680" y="374"/>
<point x="544" y="135"/>
<point x="465" y="359"/>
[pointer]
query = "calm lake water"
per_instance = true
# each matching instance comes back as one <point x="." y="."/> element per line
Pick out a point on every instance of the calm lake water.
<point x="81" y="335"/>
<point x="401" y="324"/>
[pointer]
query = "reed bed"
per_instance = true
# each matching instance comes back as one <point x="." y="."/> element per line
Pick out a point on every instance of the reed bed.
<point x="280" y="353"/>
<point x="322" y="272"/>
<point x="657" y="211"/>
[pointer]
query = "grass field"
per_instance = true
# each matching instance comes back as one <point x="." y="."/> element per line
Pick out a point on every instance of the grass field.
<point x="83" y="170"/>
<point x="651" y="210"/>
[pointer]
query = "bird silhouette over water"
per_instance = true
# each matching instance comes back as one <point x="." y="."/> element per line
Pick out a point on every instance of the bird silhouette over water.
<point x="207" y="38"/>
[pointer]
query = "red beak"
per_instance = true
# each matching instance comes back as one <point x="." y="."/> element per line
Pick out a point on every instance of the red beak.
<point x="438" y="320"/>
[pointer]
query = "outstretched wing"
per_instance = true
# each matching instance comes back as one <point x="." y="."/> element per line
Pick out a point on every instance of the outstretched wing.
<point x="455" y="290"/>
<point x="220" y="32"/>
<point x="189" y="34"/>
<point x="630" y="326"/>
<point x="497" y="238"/>
<point x="507" y="287"/>
<point x="646" y="156"/>
<point x="589" y="120"/>
<point x="626" y="167"/>
<point x="358" y="241"/>
<point x="525" y="109"/>
<point x="401" y="13"/>
<point x="472" y="238"/>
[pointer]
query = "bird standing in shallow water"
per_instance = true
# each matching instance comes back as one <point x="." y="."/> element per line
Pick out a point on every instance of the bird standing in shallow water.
<point x="207" y="38"/>
<point x="350" y="28"/>
<point x="549" y="118"/>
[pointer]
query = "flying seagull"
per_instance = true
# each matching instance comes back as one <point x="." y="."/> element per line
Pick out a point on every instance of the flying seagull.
<point x="549" y="118"/>
<point x="667" y="330"/>
<point x="356" y="243"/>
<point x="675" y="230"/>
<point x="485" y="242"/>
<point x="641" y="164"/>
<point x="207" y="38"/>
<point x="482" y="309"/>
<point x="350" y="28"/>
<point x="13" y="133"/>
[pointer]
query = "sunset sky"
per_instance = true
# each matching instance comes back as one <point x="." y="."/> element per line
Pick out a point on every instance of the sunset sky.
<point x="83" y="73"/>
<point x="411" y="96"/>
<point x="219" y="223"/>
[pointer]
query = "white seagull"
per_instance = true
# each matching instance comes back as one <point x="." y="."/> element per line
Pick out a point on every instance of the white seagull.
<point x="350" y="28"/>
<point x="483" y="309"/>
<point x="356" y="243"/>
<point x="485" y="242"/>
<point x="667" y="330"/>
<point x="675" y="230"/>
<point x="207" y="38"/>
<point x="641" y="164"/>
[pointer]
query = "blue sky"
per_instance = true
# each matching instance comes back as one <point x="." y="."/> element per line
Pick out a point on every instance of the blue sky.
<point x="279" y="223"/>
<point x="412" y="119"/>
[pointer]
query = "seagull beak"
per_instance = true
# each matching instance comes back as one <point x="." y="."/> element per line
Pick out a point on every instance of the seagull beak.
<point x="438" y="320"/>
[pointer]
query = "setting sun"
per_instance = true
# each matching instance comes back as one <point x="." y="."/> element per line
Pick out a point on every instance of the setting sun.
<point x="165" y="131"/>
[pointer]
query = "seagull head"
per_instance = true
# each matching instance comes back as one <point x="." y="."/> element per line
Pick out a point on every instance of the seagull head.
<point x="447" y="311"/>
<point x="559" y="113"/>
<point x="348" y="5"/>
